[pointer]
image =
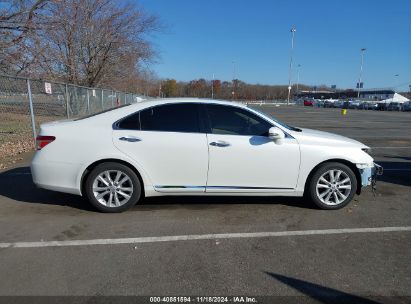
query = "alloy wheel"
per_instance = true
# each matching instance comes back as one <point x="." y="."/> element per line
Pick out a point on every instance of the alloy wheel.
<point x="333" y="187"/>
<point x="112" y="188"/>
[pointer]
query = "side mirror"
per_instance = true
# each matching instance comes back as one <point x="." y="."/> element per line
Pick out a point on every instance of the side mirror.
<point x="275" y="133"/>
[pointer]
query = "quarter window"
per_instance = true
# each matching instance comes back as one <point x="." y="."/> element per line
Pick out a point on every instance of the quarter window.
<point x="235" y="121"/>
<point x="131" y="122"/>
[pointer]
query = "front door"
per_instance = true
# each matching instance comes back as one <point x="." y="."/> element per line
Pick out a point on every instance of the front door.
<point x="241" y="156"/>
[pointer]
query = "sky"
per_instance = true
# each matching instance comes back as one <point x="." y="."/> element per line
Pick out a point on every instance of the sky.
<point x="251" y="40"/>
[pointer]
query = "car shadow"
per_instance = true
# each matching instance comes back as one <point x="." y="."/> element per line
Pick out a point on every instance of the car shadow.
<point x="398" y="173"/>
<point x="17" y="185"/>
<point x="399" y="157"/>
<point x="319" y="293"/>
<point x="205" y="202"/>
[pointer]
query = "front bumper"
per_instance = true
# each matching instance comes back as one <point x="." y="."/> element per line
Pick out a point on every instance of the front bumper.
<point x="369" y="174"/>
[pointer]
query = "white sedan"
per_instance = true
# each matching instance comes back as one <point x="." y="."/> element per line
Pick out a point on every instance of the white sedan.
<point x="196" y="147"/>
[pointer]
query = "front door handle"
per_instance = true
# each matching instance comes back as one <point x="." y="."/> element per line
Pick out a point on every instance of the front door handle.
<point x="130" y="138"/>
<point x="219" y="143"/>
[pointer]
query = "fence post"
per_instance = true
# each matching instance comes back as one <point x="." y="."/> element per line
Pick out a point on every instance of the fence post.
<point x="67" y="102"/>
<point x="33" y="122"/>
<point x="88" y="101"/>
<point x="102" y="101"/>
<point x="112" y="98"/>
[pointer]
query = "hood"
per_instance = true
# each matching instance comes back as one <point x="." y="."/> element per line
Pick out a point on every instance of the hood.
<point x="315" y="136"/>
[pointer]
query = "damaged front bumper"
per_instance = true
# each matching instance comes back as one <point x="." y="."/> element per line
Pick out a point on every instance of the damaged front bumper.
<point x="369" y="173"/>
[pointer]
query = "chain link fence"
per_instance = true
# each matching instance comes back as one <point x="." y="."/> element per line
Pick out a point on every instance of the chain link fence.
<point x="27" y="103"/>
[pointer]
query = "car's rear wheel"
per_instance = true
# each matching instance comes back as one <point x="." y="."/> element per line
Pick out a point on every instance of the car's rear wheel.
<point x="112" y="187"/>
<point x="332" y="186"/>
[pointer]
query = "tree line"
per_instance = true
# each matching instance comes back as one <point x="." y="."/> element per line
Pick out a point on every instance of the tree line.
<point x="235" y="89"/>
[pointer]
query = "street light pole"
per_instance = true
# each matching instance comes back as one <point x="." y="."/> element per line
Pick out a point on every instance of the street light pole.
<point x="395" y="79"/>
<point x="293" y="30"/>
<point x="298" y="76"/>
<point x="362" y="63"/>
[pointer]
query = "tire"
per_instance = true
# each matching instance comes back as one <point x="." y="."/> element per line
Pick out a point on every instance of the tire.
<point x="112" y="187"/>
<point x="340" y="191"/>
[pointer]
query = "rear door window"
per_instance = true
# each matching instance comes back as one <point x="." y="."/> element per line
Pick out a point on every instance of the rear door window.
<point x="182" y="117"/>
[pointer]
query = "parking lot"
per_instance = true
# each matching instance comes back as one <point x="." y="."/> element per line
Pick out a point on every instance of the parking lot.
<point x="226" y="245"/>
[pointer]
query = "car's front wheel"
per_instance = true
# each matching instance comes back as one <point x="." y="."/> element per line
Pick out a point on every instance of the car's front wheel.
<point x="332" y="186"/>
<point x="112" y="187"/>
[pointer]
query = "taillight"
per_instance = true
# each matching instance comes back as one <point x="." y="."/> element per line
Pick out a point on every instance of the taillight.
<point x="42" y="141"/>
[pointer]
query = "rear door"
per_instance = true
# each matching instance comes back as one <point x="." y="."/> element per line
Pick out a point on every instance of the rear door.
<point x="241" y="156"/>
<point x="167" y="142"/>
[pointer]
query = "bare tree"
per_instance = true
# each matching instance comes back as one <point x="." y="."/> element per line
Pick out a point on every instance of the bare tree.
<point x="19" y="19"/>
<point x="94" y="42"/>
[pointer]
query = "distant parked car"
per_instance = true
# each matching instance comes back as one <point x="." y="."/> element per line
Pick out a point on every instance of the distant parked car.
<point x="319" y="103"/>
<point x="338" y="104"/>
<point x="406" y="107"/>
<point x="308" y="103"/>
<point x="355" y="104"/>
<point x="381" y="106"/>
<point x="364" y="106"/>
<point x="394" y="106"/>
<point x="367" y="106"/>
<point x="346" y="105"/>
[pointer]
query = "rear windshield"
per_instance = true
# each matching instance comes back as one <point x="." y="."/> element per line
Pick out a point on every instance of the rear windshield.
<point x="98" y="113"/>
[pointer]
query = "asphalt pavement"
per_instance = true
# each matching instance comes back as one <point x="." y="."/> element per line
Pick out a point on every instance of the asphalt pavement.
<point x="372" y="267"/>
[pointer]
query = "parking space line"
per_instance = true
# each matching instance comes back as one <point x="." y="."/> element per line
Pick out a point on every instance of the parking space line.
<point x="173" y="238"/>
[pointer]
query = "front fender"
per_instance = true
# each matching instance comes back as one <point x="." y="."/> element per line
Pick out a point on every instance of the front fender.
<point x="313" y="156"/>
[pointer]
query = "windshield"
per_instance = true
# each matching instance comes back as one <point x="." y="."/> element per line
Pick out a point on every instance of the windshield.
<point x="277" y="121"/>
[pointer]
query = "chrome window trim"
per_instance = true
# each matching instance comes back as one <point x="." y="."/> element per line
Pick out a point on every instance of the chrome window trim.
<point x="115" y="125"/>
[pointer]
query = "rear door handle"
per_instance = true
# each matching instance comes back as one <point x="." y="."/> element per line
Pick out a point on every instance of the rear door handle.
<point x="130" y="138"/>
<point x="219" y="143"/>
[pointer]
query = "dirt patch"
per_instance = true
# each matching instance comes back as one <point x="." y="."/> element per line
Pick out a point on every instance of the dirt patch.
<point x="16" y="136"/>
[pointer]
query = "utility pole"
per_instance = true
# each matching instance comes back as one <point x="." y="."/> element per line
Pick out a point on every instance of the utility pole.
<point x="234" y="76"/>
<point x="212" y="88"/>
<point x="362" y="63"/>
<point x="293" y="30"/>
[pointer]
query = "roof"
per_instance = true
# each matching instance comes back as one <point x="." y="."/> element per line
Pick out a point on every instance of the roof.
<point x="122" y="111"/>
<point x="158" y="101"/>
